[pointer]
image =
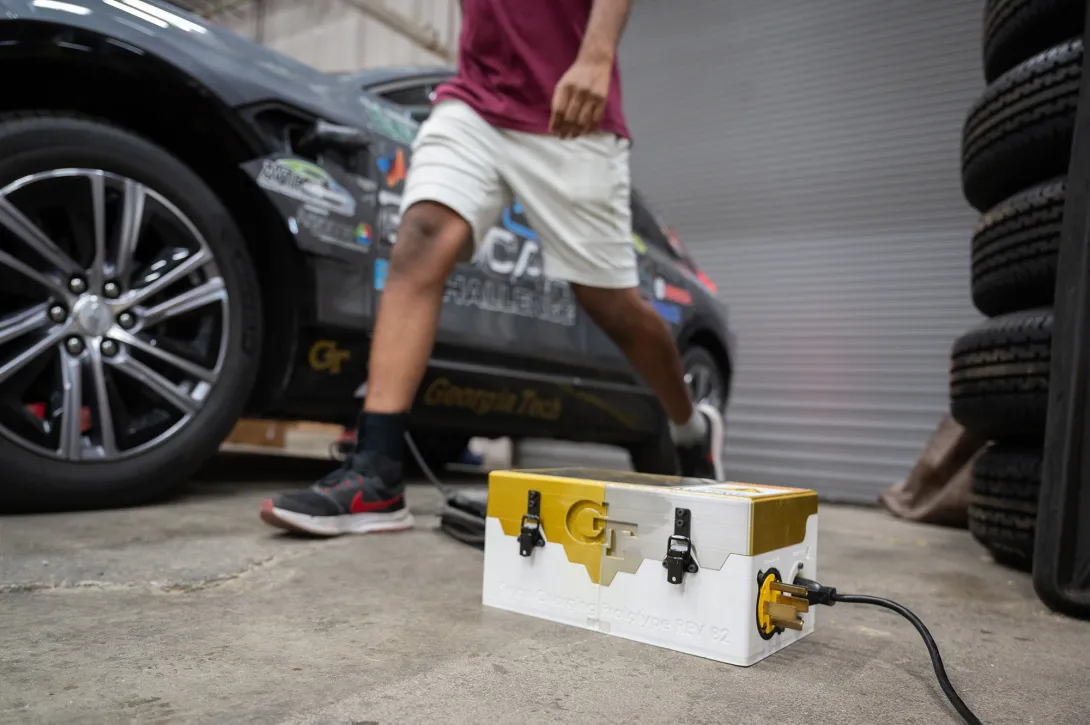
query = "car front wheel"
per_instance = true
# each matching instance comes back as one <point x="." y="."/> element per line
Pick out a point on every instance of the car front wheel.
<point x="129" y="317"/>
<point x="704" y="378"/>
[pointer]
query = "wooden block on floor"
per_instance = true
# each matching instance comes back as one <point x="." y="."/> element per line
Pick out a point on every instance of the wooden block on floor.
<point x="253" y="432"/>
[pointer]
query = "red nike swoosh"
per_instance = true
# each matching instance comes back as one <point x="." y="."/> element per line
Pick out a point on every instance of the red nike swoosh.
<point x="359" y="506"/>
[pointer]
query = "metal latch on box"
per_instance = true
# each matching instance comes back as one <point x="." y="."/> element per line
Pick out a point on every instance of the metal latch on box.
<point x="530" y="535"/>
<point x="679" y="549"/>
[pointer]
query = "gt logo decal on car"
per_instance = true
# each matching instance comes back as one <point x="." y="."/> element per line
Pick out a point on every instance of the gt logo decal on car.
<point x="327" y="356"/>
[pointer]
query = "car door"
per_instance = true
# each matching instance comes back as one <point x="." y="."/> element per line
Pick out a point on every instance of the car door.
<point x="500" y="302"/>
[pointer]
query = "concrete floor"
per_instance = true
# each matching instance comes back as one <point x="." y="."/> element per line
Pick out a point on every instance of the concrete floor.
<point x="196" y="612"/>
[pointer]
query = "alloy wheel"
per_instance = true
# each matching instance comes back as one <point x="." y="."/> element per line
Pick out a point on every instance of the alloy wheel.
<point x="113" y="316"/>
<point x="704" y="384"/>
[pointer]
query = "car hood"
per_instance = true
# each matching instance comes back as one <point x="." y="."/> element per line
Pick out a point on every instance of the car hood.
<point x="239" y="71"/>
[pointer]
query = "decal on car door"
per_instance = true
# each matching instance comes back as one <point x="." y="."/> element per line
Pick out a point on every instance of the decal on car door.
<point x="511" y="277"/>
<point x="505" y="276"/>
<point x="327" y="210"/>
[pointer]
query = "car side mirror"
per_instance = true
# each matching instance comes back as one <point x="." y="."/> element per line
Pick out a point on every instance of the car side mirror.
<point x="324" y="135"/>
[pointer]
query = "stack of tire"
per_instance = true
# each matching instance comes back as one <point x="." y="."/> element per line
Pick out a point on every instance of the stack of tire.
<point x="1016" y="146"/>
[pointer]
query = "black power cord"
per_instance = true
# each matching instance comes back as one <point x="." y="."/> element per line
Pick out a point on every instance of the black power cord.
<point x="462" y="516"/>
<point x="818" y="594"/>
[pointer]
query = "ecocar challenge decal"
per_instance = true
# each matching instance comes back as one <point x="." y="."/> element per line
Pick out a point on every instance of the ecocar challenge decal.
<point x="511" y="277"/>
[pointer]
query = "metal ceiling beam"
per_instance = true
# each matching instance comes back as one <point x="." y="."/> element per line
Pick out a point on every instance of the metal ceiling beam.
<point x="208" y="9"/>
<point x="425" y="36"/>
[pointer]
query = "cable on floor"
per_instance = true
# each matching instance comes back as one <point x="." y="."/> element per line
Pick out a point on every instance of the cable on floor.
<point x="818" y="594"/>
<point x="460" y="518"/>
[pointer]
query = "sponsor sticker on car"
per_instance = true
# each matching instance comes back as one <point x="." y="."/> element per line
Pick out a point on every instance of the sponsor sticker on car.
<point x="668" y="311"/>
<point x="306" y="182"/>
<point x="381" y="267"/>
<point x="329" y="229"/>
<point x="663" y="290"/>
<point x="393" y="168"/>
<point x="363" y="234"/>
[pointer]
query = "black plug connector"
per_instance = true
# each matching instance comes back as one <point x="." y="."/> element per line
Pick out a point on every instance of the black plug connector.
<point x="816" y="593"/>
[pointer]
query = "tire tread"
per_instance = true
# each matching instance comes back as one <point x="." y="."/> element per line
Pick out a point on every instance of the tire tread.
<point x="1014" y="251"/>
<point x="1003" y="503"/>
<point x="1019" y="131"/>
<point x="1016" y="30"/>
<point x="999" y="375"/>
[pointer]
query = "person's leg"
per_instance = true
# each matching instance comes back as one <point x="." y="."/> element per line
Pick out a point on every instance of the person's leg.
<point x="644" y="338"/>
<point x="453" y="194"/>
<point x="634" y="327"/>
<point x="577" y="196"/>
<point x="429" y="241"/>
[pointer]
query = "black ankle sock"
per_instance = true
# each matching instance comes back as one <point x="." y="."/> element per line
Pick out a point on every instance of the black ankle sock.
<point x="383" y="433"/>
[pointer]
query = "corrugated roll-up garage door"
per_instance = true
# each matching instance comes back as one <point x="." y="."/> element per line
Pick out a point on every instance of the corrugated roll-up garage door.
<point x="808" y="154"/>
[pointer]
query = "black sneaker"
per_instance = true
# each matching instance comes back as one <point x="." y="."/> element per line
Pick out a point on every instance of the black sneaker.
<point x="363" y="496"/>
<point x="705" y="459"/>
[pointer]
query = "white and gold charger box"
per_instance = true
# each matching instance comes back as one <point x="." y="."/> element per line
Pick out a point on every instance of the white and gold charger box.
<point x="686" y="564"/>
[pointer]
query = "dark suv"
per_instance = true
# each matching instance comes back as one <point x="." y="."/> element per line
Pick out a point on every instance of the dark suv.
<point x="194" y="228"/>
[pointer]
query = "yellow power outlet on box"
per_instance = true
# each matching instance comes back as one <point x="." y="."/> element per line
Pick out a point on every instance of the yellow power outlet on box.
<point x="779" y="605"/>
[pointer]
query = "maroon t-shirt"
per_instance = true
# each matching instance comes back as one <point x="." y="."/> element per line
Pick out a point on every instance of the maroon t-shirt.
<point x="512" y="53"/>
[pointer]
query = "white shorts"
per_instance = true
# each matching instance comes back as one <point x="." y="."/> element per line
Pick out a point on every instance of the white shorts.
<point x="575" y="193"/>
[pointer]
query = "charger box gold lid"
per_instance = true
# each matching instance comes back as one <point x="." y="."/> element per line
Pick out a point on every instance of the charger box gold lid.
<point x="686" y="564"/>
<point x="773" y="516"/>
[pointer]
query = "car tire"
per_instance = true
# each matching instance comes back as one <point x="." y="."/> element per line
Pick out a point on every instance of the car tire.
<point x="999" y="376"/>
<point x="1016" y="30"/>
<point x="1019" y="132"/>
<point x="704" y="376"/>
<point x="1003" y="504"/>
<point x="1014" y="251"/>
<point x="33" y="143"/>
<point x="657" y="456"/>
